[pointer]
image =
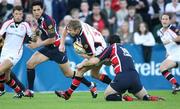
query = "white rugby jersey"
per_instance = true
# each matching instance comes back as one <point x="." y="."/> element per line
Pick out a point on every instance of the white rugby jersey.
<point x="13" y="43"/>
<point x="95" y="42"/>
<point x="169" y="35"/>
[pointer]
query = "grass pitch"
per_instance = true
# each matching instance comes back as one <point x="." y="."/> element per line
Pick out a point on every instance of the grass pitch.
<point x="83" y="100"/>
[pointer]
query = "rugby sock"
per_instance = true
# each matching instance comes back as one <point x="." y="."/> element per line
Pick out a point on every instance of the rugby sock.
<point x="1" y="87"/>
<point x="114" y="97"/>
<point x="84" y="80"/>
<point x="13" y="76"/>
<point x="105" y="79"/>
<point x="31" y="77"/>
<point x="75" y="83"/>
<point x="169" y="77"/>
<point x="2" y="78"/>
<point x="12" y="83"/>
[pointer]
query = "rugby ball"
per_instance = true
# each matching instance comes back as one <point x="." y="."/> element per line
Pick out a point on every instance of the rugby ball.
<point x="78" y="47"/>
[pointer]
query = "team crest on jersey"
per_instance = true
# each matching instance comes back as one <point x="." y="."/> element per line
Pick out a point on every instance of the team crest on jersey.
<point x="12" y="26"/>
<point x="86" y="46"/>
<point x="50" y="26"/>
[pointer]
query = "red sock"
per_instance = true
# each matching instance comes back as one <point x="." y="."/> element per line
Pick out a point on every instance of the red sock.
<point x="1" y="87"/>
<point x="105" y="79"/>
<point x="169" y="77"/>
<point x="75" y="83"/>
<point x="12" y="83"/>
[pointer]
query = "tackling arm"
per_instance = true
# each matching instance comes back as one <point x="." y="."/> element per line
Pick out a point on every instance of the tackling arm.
<point x="62" y="41"/>
<point x="90" y="62"/>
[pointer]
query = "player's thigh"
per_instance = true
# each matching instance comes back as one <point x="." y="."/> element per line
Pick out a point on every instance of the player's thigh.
<point x="5" y="65"/>
<point x="167" y="64"/>
<point x="109" y="90"/>
<point x="66" y="69"/>
<point x="95" y="71"/>
<point x="36" y="59"/>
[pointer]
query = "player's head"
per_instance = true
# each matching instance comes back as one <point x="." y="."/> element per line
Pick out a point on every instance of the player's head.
<point x="18" y="13"/>
<point x="37" y="9"/>
<point x="74" y="27"/>
<point x="114" y="39"/>
<point x="166" y="19"/>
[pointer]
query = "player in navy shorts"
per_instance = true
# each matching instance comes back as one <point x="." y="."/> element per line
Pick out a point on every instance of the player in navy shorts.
<point x="126" y="79"/>
<point x="48" y="41"/>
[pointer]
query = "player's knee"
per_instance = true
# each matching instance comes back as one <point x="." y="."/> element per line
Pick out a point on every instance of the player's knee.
<point x="68" y="74"/>
<point x="161" y="68"/>
<point x="114" y="97"/>
<point x="30" y="65"/>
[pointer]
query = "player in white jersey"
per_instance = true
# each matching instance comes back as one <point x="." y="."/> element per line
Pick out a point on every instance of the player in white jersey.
<point x="93" y="44"/>
<point x="14" y="30"/>
<point x="171" y="39"/>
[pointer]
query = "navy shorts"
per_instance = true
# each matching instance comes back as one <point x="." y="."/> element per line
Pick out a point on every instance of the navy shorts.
<point x="127" y="81"/>
<point x="54" y="54"/>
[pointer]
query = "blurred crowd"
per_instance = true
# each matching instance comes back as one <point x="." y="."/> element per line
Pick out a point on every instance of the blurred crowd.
<point x="134" y="21"/>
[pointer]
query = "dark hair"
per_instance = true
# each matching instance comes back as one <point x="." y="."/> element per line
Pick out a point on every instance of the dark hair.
<point x="96" y="4"/>
<point x="18" y="8"/>
<point x="131" y="7"/>
<point x="146" y="26"/>
<point x="168" y="14"/>
<point x="37" y="3"/>
<point x="114" y="39"/>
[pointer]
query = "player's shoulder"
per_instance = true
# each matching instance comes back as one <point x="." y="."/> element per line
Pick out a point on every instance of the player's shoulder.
<point x="9" y="21"/>
<point x="47" y="18"/>
<point x="175" y="29"/>
<point x="25" y="24"/>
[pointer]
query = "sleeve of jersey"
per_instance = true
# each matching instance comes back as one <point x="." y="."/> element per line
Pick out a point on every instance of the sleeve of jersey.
<point x="174" y="31"/>
<point x="29" y="30"/>
<point x="51" y="29"/>
<point x="105" y="54"/>
<point x="87" y="33"/>
<point x="3" y="28"/>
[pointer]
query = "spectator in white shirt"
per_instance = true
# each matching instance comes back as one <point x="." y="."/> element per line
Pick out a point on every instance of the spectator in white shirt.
<point x="145" y="38"/>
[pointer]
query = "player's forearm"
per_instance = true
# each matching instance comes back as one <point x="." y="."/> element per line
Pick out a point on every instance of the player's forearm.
<point x="177" y="39"/>
<point x="63" y="38"/>
<point x="91" y="61"/>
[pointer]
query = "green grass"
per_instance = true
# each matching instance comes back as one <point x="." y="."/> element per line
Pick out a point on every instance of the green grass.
<point x="83" y="100"/>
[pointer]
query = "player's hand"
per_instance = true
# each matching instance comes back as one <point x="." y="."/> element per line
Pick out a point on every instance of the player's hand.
<point x="61" y="48"/>
<point x="33" y="45"/>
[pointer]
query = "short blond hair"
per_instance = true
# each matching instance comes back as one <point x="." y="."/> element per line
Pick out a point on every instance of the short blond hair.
<point x="74" y="24"/>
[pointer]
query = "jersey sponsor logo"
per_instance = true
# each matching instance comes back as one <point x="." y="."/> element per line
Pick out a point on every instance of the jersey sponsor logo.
<point x="50" y="26"/>
<point x="12" y="26"/>
<point x="86" y="46"/>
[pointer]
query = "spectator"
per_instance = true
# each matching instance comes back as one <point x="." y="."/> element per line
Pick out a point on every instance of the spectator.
<point x="111" y="15"/>
<point x="84" y="11"/>
<point x="97" y="19"/>
<point x="144" y="38"/>
<point x="5" y="10"/>
<point x="75" y="13"/>
<point x="106" y="33"/>
<point x="174" y="7"/>
<point x="124" y="34"/>
<point x="59" y="10"/>
<point x="122" y="13"/>
<point x="133" y="19"/>
<point x="158" y="7"/>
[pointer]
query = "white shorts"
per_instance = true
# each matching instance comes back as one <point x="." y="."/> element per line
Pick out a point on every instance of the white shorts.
<point x="174" y="57"/>
<point x="13" y="58"/>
